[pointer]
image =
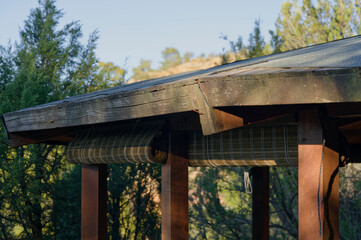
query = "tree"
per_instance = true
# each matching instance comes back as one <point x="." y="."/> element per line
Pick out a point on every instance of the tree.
<point x="276" y="42"/>
<point x="350" y="201"/>
<point x="46" y="65"/>
<point x="133" y="206"/>
<point x="220" y="208"/>
<point x="187" y="57"/>
<point x="256" y="45"/>
<point x="142" y="71"/>
<point x="237" y="49"/>
<point x="306" y="24"/>
<point x="113" y="73"/>
<point x="65" y="213"/>
<point x="171" y="58"/>
<point x="39" y="190"/>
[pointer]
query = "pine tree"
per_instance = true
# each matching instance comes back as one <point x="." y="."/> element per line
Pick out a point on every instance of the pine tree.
<point x="309" y="23"/>
<point x="256" y="41"/>
<point x="47" y="64"/>
<point x="39" y="190"/>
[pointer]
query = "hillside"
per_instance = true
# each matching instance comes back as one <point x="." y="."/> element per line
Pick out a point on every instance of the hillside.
<point x="191" y="65"/>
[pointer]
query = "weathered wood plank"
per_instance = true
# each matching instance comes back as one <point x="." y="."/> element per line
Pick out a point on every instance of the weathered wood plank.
<point x="201" y="93"/>
<point x="94" y="202"/>
<point x="223" y="121"/>
<point x="175" y="190"/>
<point x="317" y="181"/>
<point x="274" y="89"/>
<point x="212" y="120"/>
<point x="16" y="140"/>
<point x="100" y="110"/>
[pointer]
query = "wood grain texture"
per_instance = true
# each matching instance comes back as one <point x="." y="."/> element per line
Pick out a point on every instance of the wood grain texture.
<point x="174" y="202"/>
<point x="317" y="191"/>
<point x="282" y="88"/>
<point x="212" y="120"/>
<point x="202" y="93"/>
<point x="94" y="202"/>
<point x="101" y="109"/>
<point x="223" y="121"/>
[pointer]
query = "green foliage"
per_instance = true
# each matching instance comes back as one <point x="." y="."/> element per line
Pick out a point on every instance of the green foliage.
<point x="133" y="204"/>
<point x="236" y="48"/>
<point x="310" y="23"/>
<point x="276" y="42"/>
<point x="171" y="58"/>
<point x="142" y="71"/>
<point x="112" y="73"/>
<point x="27" y="184"/>
<point x="66" y="197"/>
<point x="187" y="56"/>
<point x="220" y="209"/>
<point x="40" y="191"/>
<point x="283" y="203"/>
<point x="350" y="201"/>
<point x="256" y="45"/>
<point x="46" y="65"/>
<point x="298" y="25"/>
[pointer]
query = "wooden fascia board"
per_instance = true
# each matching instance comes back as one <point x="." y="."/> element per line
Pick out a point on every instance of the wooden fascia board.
<point x="153" y="101"/>
<point x="312" y="87"/>
<point x="202" y="94"/>
<point x="184" y="96"/>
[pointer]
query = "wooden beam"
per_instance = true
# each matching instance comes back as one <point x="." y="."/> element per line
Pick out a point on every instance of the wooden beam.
<point x="352" y="132"/>
<point x="18" y="139"/>
<point x="212" y="120"/>
<point x="260" y="203"/>
<point x="274" y="88"/>
<point x="94" y="202"/>
<point x="216" y="121"/>
<point x="175" y="190"/>
<point x="254" y="87"/>
<point x="187" y="121"/>
<point x="338" y="110"/>
<point x="317" y="181"/>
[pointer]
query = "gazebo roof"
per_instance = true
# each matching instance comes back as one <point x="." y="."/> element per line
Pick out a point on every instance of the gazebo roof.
<point x="252" y="90"/>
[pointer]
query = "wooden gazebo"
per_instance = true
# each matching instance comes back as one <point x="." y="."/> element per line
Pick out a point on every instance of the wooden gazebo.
<point x="300" y="108"/>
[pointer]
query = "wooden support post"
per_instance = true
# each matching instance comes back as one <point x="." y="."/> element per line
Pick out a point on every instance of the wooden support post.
<point x="94" y="202"/>
<point x="175" y="190"/>
<point x="260" y="203"/>
<point x="317" y="181"/>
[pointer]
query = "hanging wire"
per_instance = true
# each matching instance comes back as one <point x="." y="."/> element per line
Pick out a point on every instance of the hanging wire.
<point x="319" y="187"/>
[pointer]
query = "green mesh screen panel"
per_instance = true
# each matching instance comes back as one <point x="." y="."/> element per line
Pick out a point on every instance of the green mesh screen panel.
<point x="256" y="146"/>
<point x="133" y="143"/>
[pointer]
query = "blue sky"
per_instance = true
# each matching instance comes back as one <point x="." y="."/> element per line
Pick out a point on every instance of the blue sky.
<point x="141" y="29"/>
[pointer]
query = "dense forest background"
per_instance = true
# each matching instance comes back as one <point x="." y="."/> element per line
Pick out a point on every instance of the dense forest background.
<point x="40" y="191"/>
